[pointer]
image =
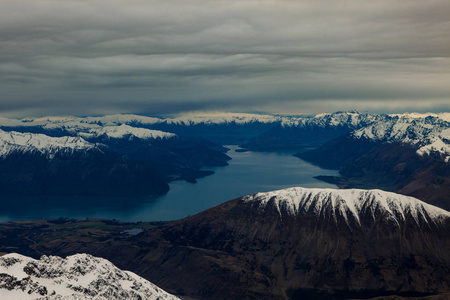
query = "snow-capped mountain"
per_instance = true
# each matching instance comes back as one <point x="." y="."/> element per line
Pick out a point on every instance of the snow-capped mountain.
<point x="306" y="243"/>
<point x="79" y="276"/>
<point x="426" y="133"/>
<point x="16" y="142"/>
<point x="350" y="205"/>
<point x="123" y="131"/>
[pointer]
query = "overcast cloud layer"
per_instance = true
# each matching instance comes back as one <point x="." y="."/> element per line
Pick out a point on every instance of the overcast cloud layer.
<point x="166" y="57"/>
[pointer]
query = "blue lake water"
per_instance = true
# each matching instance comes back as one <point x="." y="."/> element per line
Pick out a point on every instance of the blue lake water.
<point x="247" y="173"/>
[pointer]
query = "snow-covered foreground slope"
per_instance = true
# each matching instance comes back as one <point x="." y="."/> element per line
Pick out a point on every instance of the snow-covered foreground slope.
<point x="79" y="276"/>
<point x="352" y="203"/>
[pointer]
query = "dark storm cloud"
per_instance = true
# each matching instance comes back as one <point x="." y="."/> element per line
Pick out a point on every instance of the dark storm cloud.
<point x="157" y="57"/>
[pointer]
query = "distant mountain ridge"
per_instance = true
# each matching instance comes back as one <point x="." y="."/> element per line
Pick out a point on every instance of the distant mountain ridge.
<point x="118" y="119"/>
<point x="298" y="133"/>
<point x="223" y="129"/>
<point x="254" y="131"/>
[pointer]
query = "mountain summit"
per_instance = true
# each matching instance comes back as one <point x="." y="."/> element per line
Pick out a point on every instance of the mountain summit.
<point x="353" y="206"/>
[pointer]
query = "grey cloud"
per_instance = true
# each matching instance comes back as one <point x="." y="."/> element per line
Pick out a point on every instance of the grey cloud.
<point x="157" y="57"/>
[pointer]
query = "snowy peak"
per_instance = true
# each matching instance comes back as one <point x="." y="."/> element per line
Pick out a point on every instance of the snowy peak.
<point x="12" y="142"/>
<point x="429" y="134"/>
<point x="350" y="204"/>
<point x="79" y="276"/>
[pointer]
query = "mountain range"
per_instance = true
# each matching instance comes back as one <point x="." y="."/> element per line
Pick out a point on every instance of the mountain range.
<point x="138" y="155"/>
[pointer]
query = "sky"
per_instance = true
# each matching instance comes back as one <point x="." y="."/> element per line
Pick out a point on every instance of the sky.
<point x="89" y="57"/>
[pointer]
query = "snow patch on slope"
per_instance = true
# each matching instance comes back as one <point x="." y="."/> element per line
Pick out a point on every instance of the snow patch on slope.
<point x="79" y="276"/>
<point x="350" y="203"/>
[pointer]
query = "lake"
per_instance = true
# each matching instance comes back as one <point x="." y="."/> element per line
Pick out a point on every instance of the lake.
<point x="247" y="173"/>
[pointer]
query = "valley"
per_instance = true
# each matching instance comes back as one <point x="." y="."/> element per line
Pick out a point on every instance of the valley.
<point x="294" y="236"/>
<point x="224" y="150"/>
